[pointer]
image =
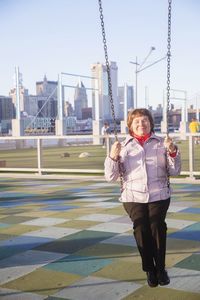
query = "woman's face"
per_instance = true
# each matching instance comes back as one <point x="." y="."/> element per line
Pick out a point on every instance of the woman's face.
<point x="141" y="125"/>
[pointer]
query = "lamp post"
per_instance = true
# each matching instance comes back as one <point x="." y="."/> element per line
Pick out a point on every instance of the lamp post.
<point x="141" y="67"/>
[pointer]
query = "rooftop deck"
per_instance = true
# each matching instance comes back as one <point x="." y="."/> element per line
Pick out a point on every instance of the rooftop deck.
<point x="71" y="239"/>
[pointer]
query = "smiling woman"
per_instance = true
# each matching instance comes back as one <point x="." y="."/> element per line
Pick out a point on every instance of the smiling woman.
<point x="145" y="160"/>
<point x="140" y="122"/>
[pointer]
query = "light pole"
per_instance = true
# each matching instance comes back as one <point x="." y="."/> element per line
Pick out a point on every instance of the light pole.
<point x="141" y="67"/>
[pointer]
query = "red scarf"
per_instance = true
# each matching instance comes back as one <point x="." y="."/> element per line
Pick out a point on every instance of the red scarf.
<point x="141" y="139"/>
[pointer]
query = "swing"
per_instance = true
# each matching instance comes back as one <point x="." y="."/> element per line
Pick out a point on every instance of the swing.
<point x="110" y="82"/>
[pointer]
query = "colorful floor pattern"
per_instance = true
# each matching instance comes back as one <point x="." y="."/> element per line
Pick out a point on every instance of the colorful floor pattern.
<point x="71" y="239"/>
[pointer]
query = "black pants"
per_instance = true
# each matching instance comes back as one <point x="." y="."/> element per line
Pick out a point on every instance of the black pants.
<point x="150" y="231"/>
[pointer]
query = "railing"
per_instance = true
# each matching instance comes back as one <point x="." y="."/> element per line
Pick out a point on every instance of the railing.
<point x="191" y="152"/>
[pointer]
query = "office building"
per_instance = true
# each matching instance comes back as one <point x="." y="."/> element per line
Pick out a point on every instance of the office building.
<point x="126" y="100"/>
<point x="100" y="95"/>
<point x="68" y="109"/>
<point x="6" y="108"/>
<point x="80" y="100"/>
<point x="23" y="98"/>
<point x="47" y="88"/>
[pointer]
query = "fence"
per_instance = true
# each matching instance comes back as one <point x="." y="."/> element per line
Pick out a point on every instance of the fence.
<point x="31" y="154"/>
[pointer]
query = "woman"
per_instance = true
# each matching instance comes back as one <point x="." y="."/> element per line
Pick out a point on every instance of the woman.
<point x="145" y="161"/>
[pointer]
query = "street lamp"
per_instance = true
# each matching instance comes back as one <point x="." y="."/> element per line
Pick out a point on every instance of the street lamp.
<point x="140" y="67"/>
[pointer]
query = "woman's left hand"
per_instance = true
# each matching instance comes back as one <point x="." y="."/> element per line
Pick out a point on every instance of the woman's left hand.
<point x="169" y="145"/>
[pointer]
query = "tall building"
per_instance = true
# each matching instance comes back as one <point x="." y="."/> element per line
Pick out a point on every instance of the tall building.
<point x="126" y="100"/>
<point x="80" y="100"/>
<point x="101" y="105"/>
<point x="87" y="113"/>
<point x="19" y="94"/>
<point x="23" y="98"/>
<point x="7" y="112"/>
<point x="46" y="98"/>
<point x="46" y="108"/>
<point x="32" y="105"/>
<point x="6" y="108"/>
<point x="68" y="109"/>
<point x="46" y="88"/>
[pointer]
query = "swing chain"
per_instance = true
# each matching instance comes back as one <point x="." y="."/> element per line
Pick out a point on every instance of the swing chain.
<point x="110" y="87"/>
<point x="168" y="82"/>
<point x="168" y="64"/>
<point x="108" y="69"/>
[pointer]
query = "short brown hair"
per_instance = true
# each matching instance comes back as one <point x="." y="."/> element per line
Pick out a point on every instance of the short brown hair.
<point x="138" y="112"/>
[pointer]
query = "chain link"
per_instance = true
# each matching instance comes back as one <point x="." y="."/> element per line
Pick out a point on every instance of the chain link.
<point x="108" y="69"/>
<point x="110" y="86"/>
<point x="168" y="64"/>
<point x="168" y="83"/>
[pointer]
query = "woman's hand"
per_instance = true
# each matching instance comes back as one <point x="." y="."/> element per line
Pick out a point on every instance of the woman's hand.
<point x="115" y="150"/>
<point x="169" y="145"/>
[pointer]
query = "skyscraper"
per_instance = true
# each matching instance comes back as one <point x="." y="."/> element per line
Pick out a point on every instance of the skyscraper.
<point x="46" y="97"/>
<point x="101" y="104"/>
<point x="126" y="100"/>
<point x="80" y="100"/>
<point x="23" y="96"/>
<point x="6" y="108"/>
<point x="46" y="88"/>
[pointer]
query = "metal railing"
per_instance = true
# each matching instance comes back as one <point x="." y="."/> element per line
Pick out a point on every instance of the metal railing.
<point x="38" y="142"/>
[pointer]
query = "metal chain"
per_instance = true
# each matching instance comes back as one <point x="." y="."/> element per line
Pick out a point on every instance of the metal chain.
<point x="110" y="86"/>
<point x="108" y="69"/>
<point x="168" y="82"/>
<point x="168" y="64"/>
<point x="110" y="83"/>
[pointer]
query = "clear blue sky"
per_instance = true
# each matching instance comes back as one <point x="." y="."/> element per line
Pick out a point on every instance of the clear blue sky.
<point x="48" y="36"/>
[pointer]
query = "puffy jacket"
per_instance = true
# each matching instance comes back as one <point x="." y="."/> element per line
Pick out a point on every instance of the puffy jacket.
<point x="144" y="170"/>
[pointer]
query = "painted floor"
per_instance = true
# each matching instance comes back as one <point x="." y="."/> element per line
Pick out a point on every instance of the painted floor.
<point x="71" y="239"/>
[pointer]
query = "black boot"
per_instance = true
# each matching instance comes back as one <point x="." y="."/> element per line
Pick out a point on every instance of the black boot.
<point x="152" y="279"/>
<point x="163" y="278"/>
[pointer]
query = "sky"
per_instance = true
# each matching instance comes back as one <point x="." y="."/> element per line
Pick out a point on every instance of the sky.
<point x="48" y="37"/>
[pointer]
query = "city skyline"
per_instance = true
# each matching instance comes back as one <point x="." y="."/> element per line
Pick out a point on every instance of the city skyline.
<point x="44" y="37"/>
